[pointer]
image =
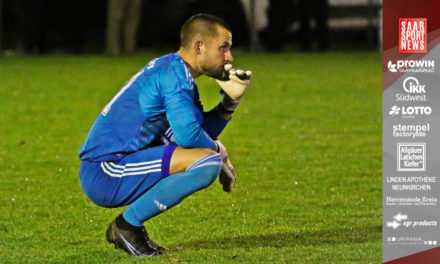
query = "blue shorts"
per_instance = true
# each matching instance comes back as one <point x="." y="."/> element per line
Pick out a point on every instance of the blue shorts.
<point x="119" y="183"/>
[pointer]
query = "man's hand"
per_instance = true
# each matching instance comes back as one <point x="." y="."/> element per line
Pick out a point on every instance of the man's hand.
<point x="227" y="174"/>
<point x="236" y="83"/>
<point x="234" y="86"/>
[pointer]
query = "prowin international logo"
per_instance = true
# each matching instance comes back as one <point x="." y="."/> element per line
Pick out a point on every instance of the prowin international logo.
<point x="414" y="91"/>
<point x="411" y="66"/>
<point x="410" y="111"/>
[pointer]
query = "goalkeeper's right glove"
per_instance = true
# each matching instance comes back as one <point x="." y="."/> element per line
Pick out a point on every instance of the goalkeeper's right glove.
<point x="227" y="174"/>
<point x="233" y="87"/>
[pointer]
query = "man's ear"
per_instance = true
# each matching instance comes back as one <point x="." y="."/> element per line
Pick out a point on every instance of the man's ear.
<point x="198" y="46"/>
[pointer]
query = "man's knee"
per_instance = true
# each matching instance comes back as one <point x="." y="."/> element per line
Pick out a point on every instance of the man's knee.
<point x="183" y="158"/>
<point x="205" y="170"/>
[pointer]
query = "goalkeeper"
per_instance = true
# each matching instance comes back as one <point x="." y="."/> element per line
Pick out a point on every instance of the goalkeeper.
<point x="153" y="144"/>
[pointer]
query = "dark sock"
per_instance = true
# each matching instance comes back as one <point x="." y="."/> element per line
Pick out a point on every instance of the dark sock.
<point x="123" y="224"/>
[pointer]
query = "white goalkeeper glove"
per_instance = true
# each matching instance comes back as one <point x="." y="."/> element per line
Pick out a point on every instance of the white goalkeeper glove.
<point x="227" y="174"/>
<point x="234" y="86"/>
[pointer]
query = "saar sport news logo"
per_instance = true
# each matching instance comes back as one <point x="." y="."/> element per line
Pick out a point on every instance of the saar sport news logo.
<point x="411" y="66"/>
<point x="412" y="35"/>
<point x="409" y="111"/>
<point x="415" y="91"/>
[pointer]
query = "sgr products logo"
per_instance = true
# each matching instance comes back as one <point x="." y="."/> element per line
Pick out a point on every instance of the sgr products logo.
<point x="410" y="111"/>
<point x="411" y="66"/>
<point x="412" y="35"/>
<point x="410" y="131"/>
<point x="415" y="90"/>
<point x="403" y="221"/>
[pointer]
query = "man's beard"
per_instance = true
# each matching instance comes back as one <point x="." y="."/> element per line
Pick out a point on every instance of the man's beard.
<point x="219" y="74"/>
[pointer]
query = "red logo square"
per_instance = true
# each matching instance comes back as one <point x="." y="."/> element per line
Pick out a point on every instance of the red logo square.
<point x="412" y="35"/>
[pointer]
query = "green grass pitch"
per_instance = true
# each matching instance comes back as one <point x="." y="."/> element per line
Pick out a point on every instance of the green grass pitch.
<point x="305" y="142"/>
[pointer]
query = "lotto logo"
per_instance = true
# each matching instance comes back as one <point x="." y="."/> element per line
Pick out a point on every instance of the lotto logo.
<point x="412" y="35"/>
<point x="410" y="111"/>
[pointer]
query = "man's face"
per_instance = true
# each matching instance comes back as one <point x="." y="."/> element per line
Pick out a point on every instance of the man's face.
<point x="216" y="52"/>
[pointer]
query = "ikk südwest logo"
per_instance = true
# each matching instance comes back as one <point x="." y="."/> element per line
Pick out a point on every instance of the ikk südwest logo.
<point x="412" y="35"/>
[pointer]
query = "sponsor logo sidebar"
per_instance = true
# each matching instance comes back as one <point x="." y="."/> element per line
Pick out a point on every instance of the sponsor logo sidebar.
<point x="412" y="187"/>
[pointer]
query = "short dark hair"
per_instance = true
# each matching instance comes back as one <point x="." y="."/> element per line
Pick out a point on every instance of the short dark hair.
<point x="202" y="24"/>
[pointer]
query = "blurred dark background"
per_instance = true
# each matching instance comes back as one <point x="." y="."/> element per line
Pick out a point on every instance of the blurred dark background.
<point x="124" y="26"/>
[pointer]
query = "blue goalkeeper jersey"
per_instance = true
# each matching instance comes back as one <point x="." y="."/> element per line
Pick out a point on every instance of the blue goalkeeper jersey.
<point x="158" y="105"/>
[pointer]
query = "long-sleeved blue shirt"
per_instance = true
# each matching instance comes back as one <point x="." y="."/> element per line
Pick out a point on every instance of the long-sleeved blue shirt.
<point x="157" y="105"/>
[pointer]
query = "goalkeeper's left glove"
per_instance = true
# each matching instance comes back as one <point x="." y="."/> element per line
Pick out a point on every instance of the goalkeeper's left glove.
<point x="227" y="174"/>
<point x="233" y="86"/>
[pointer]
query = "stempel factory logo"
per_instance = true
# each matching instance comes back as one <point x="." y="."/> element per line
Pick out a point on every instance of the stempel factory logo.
<point x="412" y="35"/>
